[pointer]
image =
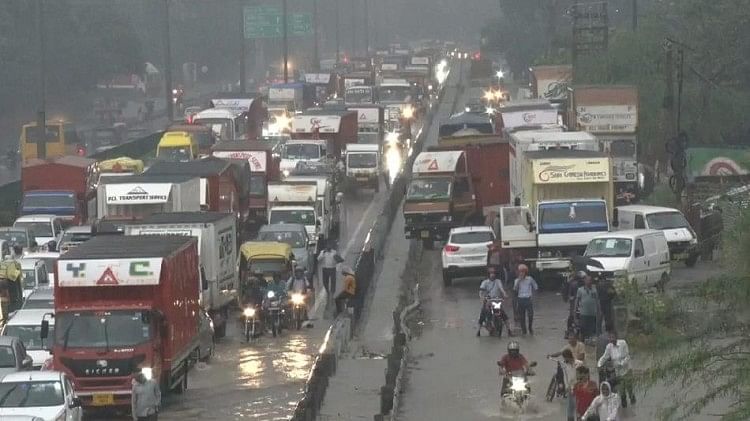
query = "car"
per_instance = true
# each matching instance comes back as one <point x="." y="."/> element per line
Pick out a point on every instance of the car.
<point x="26" y="325"/>
<point x="44" y="228"/>
<point x="40" y="299"/>
<point x="35" y="275"/>
<point x="18" y="236"/>
<point x="50" y="260"/>
<point x="465" y="252"/>
<point x="206" y="344"/>
<point x="13" y="356"/>
<point x="74" y="236"/>
<point x="47" y="395"/>
<point x="296" y="236"/>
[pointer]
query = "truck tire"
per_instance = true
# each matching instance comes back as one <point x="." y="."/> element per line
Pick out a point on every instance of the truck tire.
<point x="447" y="279"/>
<point x="182" y="386"/>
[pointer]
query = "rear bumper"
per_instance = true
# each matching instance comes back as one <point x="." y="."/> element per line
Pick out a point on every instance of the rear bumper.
<point x="428" y="232"/>
<point x="459" y="271"/>
<point x="682" y="250"/>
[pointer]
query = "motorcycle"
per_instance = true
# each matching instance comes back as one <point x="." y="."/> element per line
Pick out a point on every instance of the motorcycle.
<point x="298" y="309"/>
<point x="556" y="386"/>
<point x="251" y="323"/>
<point x="494" y="324"/>
<point x="517" y="389"/>
<point x="275" y="313"/>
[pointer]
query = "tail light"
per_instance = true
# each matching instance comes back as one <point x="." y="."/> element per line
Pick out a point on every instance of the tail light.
<point x="451" y="248"/>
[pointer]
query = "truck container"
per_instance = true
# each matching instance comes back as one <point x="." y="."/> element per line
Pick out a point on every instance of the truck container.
<point x="219" y="183"/>
<point x="531" y="114"/>
<point x="132" y="198"/>
<point x="63" y="186"/>
<point x="339" y="127"/>
<point x="264" y="168"/>
<point x="325" y="85"/>
<point x="125" y="304"/>
<point x="370" y="123"/>
<point x="296" y="96"/>
<point x="217" y="251"/>
<point x="295" y="204"/>
<point x="611" y="114"/>
<point x="551" y="82"/>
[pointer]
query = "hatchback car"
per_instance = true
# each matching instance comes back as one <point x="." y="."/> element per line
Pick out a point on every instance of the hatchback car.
<point x="296" y="236"/>
<point x="74" y="236"/>
<point x="26" y="325"/>
<point x="48" y="395"/>
<point x="465" y="253"/>
<point x="13" y="356"/>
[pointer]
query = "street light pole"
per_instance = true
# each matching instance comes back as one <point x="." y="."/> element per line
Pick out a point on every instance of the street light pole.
<point x="367" y="28"/>
<point x="316" y="53"/>
<point x="286" y="44"/>
<point x="338" y="34"/>
<point x="243" y="46"/>
<point x="635" y="15"/>
<point x="354" y="28"/>
<point x="41" y="116"/>
<point x="167" y="61"/>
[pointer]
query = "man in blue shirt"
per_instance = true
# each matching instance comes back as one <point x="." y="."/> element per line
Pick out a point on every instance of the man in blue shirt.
<point x="489" y="289"/>
<point x="525" y="286"/>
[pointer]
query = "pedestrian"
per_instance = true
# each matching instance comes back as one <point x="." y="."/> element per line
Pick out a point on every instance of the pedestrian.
<point x="525" y="286"/>
<point x="569" y="368"/>
<point x="328" y="258"/>
<point x="606" y="298"/>
<point x="575" y="346"/>
<point x="145" y="399"/>
<point x="349" y="290"/>
<point x="618" y="354"/>
<point x="606" y="406"/>
<point x="585" y="390"/>
<point x="587" y="303"/>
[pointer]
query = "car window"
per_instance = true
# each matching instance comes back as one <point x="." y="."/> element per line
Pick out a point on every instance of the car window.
<point x="31" y="394"/>
<point x="472" y="237"/>
<point x="638" y="248"/>
<point x="7" y="357"/>
<point x="639" y="223"/>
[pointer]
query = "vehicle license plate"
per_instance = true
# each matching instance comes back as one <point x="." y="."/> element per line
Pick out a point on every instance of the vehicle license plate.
<point x="425" y="234"/>
<point x="103" y="399"/>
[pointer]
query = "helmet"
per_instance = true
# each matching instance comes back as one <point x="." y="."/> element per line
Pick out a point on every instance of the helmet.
<point x="581" y="274"/>
<point x="299" y="269"/>
<point x="514" y="349"/>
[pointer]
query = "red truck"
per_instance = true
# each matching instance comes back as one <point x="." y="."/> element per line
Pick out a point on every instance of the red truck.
<point x="264" y="168"/>
<point x="339" y="127"/>
<point x="125" y="304"/>
<point x="64" y="186"/>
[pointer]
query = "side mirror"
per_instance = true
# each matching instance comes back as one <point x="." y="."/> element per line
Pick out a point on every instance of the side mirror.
<point x="204" y="281"/>
<point x="339" y="197"/>
<point x="317" y="223"/>
<point x="76" y="403"/>
<point x="52" y="245"/>
<point x="27" y="362"/>
<point x="44" y="333"/>
<point x="615" y="217"/>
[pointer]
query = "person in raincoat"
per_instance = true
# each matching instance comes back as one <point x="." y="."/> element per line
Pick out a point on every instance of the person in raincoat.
<point x="11" y="290"/>
<point x="605" y="407"/>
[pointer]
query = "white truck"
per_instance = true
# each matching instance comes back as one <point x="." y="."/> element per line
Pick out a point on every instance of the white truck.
<point x="135" y="197"/>
<point x="370" y="123"/>
<point x="217" y="252"/>
<point x="326" y="203"/>
<point x="307" y="150"/>
<point x="363" y="166"/>
<point x="295" y="204"/>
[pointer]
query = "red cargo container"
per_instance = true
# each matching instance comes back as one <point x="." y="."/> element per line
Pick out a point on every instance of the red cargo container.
<point x="123" y="303"/>
<point x="340" y="127"/>
<point x="64" y="175"/>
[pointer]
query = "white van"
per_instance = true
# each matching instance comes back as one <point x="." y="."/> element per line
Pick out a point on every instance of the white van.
<point x="682" y="240"/>
<point x="642" y="256"/>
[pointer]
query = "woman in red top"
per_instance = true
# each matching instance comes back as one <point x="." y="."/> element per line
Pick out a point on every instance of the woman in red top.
<point x="585" y="390"/>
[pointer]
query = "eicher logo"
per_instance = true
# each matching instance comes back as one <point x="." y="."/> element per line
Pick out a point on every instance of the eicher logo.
<point x="140" y="268"/>
<point x="529" y="117"/>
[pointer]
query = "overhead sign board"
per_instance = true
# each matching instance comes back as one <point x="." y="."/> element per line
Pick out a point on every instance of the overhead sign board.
<point x="267" y="22"/>
<point x="110" y="272"/>
<point x="256" y="159"/>
<point x="589" y="170"/>
<point x="318" y="78"/>
<point x="527" y="118"/>
<point x="137" y="194"/>
<point x="311" y="123"/>
<point x="607" y="118"/>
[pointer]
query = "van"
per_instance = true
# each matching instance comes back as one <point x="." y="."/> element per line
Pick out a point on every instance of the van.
<point x="682" y="240"/>
<point x="177" y="147"/>
<point x="640" y="256"/>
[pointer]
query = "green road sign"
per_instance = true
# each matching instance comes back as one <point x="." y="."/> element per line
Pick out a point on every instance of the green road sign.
<point x="262" y="22"/>
<point x="300" y="24"/>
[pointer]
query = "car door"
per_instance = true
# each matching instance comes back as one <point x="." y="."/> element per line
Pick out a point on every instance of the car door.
<point x="516" y="231"/>
<point x="652" y="260"/>
<point x="73" y="412"/>
<point x="639" y="262"/>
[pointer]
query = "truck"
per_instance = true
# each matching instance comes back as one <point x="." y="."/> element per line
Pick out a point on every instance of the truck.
<point x="123" y="305"/>
<point x="217" y="254"/>
<point x="370" y="123"/>
<point x="327" y="202"/>
<point x="611" y="114"/>
<point x="339" y="127"/>
<point x="121" y="200"/>
<point x="296" y="204"/>
<point x="295" y="96"/>
<point x="359" y="94"/>
<point x="234" y="118"/>
<point x="551" y="82"/>
<point x="532" y="114"/>
<point x="565" y="202"/>
<point x="63" y="186"/>
<point x="264" y="168"/>
<point x="363" y="165"/>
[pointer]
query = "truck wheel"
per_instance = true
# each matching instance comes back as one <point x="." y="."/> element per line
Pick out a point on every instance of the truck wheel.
<point x="428" y="243"/>
<point x="182" y="386"/>
<point x="447" y="280"/>
<point x="690" y="262"/>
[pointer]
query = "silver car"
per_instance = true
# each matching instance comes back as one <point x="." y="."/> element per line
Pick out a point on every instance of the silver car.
<point x="13" y="356"/>
<point x="296" y="236"/>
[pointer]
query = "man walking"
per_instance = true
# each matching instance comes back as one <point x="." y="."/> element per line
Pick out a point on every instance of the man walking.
<point x="328" y="259"/>
<point x="587" y="303"/>
<point x="525" y="286"/>
<point x="145" y="399"/>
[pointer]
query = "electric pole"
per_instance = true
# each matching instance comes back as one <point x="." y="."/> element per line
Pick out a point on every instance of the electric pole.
<point x="635" y="15"/>
<point x="286" y="43"/>
<point x="243" y="46"/>
<point x="316" y="53"/>
<point x="167" y="61"/>
<point x="338" y="33"/>
<point x="367" y="28"/>
<point x="354" y="28"/>
<point x="41" y="116"/>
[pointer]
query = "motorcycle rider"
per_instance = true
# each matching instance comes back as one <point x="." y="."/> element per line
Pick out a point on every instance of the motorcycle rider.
<point x="490" y="288"/>
<point x="279" y="290"/>
<point x="254" y="294"/>
<point x="299" y="284"/>
<point x="511" y="362"/>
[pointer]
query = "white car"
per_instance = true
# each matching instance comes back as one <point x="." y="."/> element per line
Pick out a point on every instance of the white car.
<point x="465" y="253"/>
<point x="47" y="395"/>
<point x="50" y="262"/>
<point x="35" y="275"/>
<point x="26" y="325"/>
<point x="44" y="228"/>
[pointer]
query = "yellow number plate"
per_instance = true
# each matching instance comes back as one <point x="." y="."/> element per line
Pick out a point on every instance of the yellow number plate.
<point x="425" y="234"/>
<point x="103" y="400"/>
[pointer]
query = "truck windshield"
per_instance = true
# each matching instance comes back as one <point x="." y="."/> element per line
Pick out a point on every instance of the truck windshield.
<point x="36" y="229"/>
<point x="15" y="237"/>
<point x="63" y="200"/>
<point x="221" y="127"/>
<point x="29" y="278"/>
<point x="358" y="96"/>
<point x="301" y="151"/>
<point x="431" y="189"/>
<point x="289" y="216"/>
<point x="395" y="93"/>
<point x="257" y="185"/>
<point x="178" y="154"/>
<point x="31" y="335"/>
<point x="362" y="160"/>
<point x="609" y="247"/>
<point x="555" y="218"/>
<point x="101" y="329"/>
<point x="666" y="221"/>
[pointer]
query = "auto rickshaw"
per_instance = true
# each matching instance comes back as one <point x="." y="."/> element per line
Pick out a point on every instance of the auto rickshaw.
<point x="177" y="147"/>
<point x="122" y="165"/>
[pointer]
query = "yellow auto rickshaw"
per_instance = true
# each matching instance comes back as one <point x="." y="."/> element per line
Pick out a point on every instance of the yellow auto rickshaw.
<point x="177" y="147"/>
<point x="269" y="258"/>
<point x="122" y="165"/>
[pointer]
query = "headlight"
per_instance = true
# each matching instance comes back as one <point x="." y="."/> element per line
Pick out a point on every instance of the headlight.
<point x="694" y="241"/>
<point x="497" y="305"/>
<point x="298" y="299"/>
<point x="446" y="218"/>
<point x="248" y="312"/>
<point x="285" y="173"/>
<point x="148" y="372"/>
<point x="270" y="294"/>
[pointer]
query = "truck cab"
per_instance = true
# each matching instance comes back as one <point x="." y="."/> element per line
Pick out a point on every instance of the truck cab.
<point x="439" y="197"/>
<point x="363" y="166"/>
<point x="295" y="204"/>
<point x="302" y="150"/>
<point x="326" y="203"/>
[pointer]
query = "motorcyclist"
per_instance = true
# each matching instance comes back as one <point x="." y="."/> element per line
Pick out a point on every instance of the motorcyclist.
<point x="299" y="284"/>
<point x="490" y="288"/>
<point x="511" y="362"/>
<point x="254" y="292"/>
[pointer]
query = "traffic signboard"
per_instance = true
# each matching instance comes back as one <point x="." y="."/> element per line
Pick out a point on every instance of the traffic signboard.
<point x="262" y="22"/>
<point x="300" y="24"/>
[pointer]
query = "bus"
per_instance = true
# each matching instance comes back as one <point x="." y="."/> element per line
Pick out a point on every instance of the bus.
<point x="62" y="139"/>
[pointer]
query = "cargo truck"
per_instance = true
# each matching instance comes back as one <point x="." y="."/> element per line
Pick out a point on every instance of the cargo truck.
<point x="64" y="186"/>
<point x="611" y="114"/>
<point x="126" y="304"/>
<point x="551" y="82"/>
<point x="567" y="197"/>
<point x="296" y="204"/>
<point x="363" y="166"/>
<point x="217" y="252"/>
<point x="370" y="123"/>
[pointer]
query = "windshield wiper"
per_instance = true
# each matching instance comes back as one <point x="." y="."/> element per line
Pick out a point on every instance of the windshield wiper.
<point x="66" y="335"/>
<point x="106" y="335"/>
